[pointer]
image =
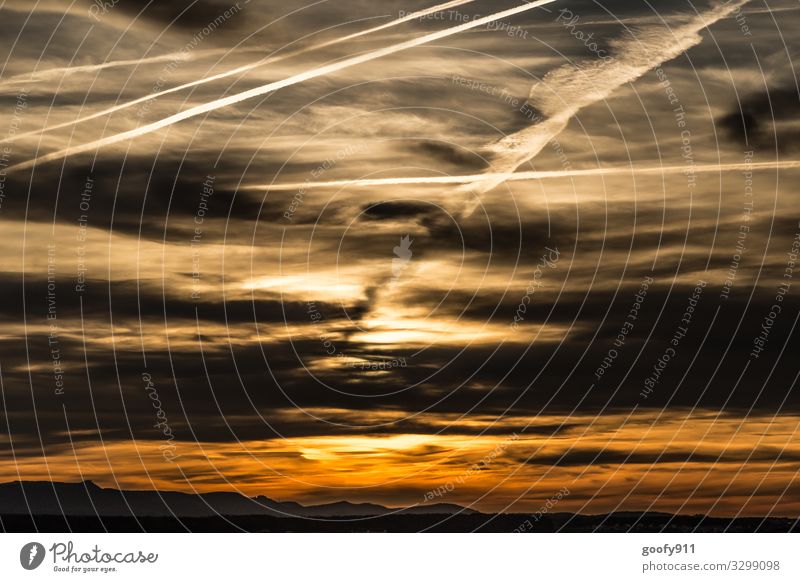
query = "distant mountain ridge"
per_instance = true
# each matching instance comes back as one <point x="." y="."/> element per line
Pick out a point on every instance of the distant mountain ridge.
<point x="87" y="499"/>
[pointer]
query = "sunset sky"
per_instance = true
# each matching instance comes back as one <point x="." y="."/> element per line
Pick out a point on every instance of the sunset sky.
<point x="550" y="249"/>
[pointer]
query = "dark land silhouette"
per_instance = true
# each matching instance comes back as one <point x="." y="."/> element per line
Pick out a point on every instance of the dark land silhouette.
<point x="85" y="507"/>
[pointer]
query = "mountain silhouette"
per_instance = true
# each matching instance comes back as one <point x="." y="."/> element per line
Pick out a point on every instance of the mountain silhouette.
<point x="43" y="506"/>
<point x="87" y="499"/>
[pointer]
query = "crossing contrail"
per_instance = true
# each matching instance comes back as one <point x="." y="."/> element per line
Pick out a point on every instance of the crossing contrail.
<point x="236" y="71"/>
<point x="567" y="90"/>
<point x="46" y="74"/>
<point x="531" y="175"/>
<point x="270" y="87"/>
<point x="563" y="93"/>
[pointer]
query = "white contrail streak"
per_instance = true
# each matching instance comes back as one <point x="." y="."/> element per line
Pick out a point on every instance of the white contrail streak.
<point x="47" y="74"/>
<point x="532" y="175"/>
<point x="567" y="90"/>
<point x="238" y="70"/>
<point x="263" y="89"/>
<point x="564" y="92"/>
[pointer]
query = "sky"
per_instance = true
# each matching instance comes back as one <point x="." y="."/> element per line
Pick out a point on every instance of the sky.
<point x="376" y="251"/>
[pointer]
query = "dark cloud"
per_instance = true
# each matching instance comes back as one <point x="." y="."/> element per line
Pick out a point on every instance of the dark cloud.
<point x="450" y="154"/>
<point x="182" y="13"/>
<point x="758" y="122"/>
<point x="397" y="210"/>
<point x="157" y="199"/>
<point x="580" y="458"/>
<point x="502" y="238"/>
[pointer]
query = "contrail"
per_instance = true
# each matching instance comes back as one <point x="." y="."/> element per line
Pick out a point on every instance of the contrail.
<point x="46" y="74"/>
<point x="567" y="90"/>
<point x="564" y="92"/>
<point x="217" y="77"/>
<point x="531" y="175"/>
<point x="263" y="89"/>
